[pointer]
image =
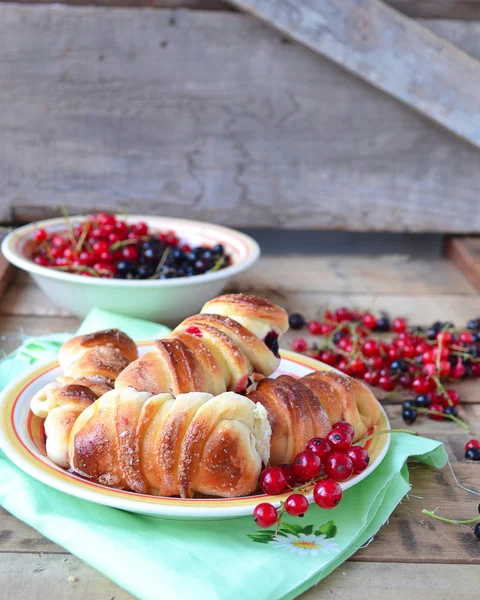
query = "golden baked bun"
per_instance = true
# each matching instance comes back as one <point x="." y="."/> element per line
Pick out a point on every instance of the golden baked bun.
<point x="301" y="409"/>
<point x="295" y="414"/>
<point x="91" y="363"/>
<point x="345" y="399"/>
<point x="161" y="445"/>
<point x="212" y="352"/>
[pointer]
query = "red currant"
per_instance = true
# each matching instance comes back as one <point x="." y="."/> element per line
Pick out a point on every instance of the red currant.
<point x="475" y="369"/>
<point x="421" y="385"/>
<point x="339" y="466"/>
<point x="430" y="369"/>
<point x="472" y="444"/>
<point x="319" y="446"/>
<point x="405" y="380"/>
<point x="399" y="325"/>
<point x="345" y="426"/>
<point x="372" y="377"/>
<point x="296" y="505"/>
<point x="445" y="337"/>
<point x="299" y="344"/>
<point x="130" y="253"/>
<point x="359" y="457"/>
<point x="265" y="515"/>
<point x="466" y="337"/>
<point x="307" y="465"/>
<point x="343" y="314"/>
<point x="369" y="321"/>
<point x="326" y="328"/>
<point x="357" y="367"/>
<point x="291" y="479"/>
<point x="387" y="383"/>
<point x="272" y="480"/>
<point x="438" y="408"/>
<point x="339" y="439"/>
<point x="328" y="357"/>
<point x="140" y="228"/>
<point x="327" y="494"/>
<point x="41" y="260"/>
<point x="40" y="235"/>
<point x="454" y="397"/>
<point x="458" y="370"/>
<point x="370" y="348"/>
<point x="100" y="247"/>
<point x="315" y="327"/>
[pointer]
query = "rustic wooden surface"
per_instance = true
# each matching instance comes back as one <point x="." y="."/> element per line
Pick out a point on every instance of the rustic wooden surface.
<point x="465" y="253"/>
<point x="182" y="110"/>
<point x="411" y="555"/>
<point x="387" y="50"/>
<point x="430" y="9"/>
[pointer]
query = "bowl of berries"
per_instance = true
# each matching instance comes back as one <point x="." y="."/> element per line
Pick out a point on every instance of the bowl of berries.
<point x="155" y="268"/>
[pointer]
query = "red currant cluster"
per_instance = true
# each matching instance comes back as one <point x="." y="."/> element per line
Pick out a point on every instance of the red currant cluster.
<point x="104" y="246"/>
<point x="325" y="462"/>
<point x="416" y="359"/>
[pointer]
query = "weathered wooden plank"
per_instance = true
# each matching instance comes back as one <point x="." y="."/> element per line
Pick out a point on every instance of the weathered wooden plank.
<point x="46" y="576"/>
<point x="430" y="9"/>
<point x="273" y="136"/>
<point x="389" y="51"/>
<point x="387" y="274"/>
<point x="465" y="253"/>
<point x="14" y="329"/>
<point x="438" y="9"/>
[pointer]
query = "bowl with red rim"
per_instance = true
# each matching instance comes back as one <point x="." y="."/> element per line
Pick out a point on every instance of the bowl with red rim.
<point x="168" y="300"/>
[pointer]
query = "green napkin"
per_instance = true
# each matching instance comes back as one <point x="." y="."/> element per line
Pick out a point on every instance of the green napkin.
<point x="157" y="558"/>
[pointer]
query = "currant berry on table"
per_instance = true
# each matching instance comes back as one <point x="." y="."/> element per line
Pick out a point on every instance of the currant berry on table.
<point x="389" y="354"/>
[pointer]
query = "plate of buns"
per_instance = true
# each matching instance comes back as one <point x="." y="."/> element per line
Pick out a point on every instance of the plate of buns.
<point x="181" y="427"/>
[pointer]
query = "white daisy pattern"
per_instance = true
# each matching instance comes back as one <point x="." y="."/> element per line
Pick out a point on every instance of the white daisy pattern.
<point x="306" y="544"/>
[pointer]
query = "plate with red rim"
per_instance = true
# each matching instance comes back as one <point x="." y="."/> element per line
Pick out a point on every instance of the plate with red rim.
<point x="23" y="441"/>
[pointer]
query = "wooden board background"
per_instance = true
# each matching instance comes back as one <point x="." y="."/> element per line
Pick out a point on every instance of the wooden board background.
<point x="433" y="9"/>
<point x="214" y="116"/>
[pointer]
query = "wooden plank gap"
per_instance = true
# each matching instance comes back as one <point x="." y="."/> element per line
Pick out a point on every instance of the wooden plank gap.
<point x="464" y="252"/>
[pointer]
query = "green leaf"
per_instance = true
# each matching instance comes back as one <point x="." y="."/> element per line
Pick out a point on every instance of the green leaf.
<point x="263" y="537"/>
<point x="293" y="529"/>
<point x="329" y="530"/>
<point x="307" y="530"/>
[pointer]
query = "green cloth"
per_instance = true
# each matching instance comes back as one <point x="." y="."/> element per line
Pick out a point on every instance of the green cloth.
<point x="229" y="559"/>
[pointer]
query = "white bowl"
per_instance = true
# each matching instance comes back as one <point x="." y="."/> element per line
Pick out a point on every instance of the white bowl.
<point x="168" y="301"/>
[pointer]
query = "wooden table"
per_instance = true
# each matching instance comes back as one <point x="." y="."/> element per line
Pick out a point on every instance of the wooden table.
<point x="412" y="556"/>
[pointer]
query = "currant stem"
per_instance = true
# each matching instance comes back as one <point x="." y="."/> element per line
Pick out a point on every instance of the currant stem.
<point x="451" y="417"/>
<point x="383" y="432"/>
<point x="442" y="389"/>
<point x="431" y="513"/>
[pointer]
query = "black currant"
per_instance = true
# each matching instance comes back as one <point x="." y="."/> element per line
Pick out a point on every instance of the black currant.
<point x="409" y="404"/>
<point x="473" y="454"/>
<point x="409" y="415"/>
<point x="271" y="341"/>
<point x="451" y="410"/>
<point x="423" y="401"/>
<point x="473" y="324"/>
<point x="218" y="249"/>
<point x="398" y="366"/>
<point x="338" y="336"/>
<point x="296" y="321"/>
<point x="145" y="271"/>
<point x="476" y="530"/>
<point x="383" y="324"/>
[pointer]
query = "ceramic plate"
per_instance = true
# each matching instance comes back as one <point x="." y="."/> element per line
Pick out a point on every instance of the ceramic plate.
<point x="23" y="441"/>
